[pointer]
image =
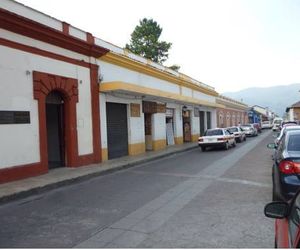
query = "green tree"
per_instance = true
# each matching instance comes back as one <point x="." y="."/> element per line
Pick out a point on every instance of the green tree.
<point x="145" y="41"/>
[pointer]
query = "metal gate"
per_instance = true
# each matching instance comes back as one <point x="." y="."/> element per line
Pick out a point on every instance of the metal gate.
<point x="117" y="132"/>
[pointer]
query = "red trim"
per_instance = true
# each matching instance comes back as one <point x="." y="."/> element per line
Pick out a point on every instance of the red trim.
<point x="21" y="172"/>
<point x="89" y="38"/>
<point x="44" y="53"/>
<point x="66" y="28"/>
<point x="43" y="84"/>
<point x="95" y="113"/>
<point x="24" y="26"/>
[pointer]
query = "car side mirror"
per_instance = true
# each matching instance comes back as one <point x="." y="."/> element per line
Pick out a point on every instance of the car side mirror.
<point x="277" y="210"/>
<point x="272" y="146"/>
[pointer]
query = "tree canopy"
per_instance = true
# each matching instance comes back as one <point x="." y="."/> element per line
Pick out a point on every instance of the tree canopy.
<point x="145" y="41"/>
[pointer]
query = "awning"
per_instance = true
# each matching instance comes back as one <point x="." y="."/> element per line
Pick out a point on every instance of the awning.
<point x="129" y="88"/>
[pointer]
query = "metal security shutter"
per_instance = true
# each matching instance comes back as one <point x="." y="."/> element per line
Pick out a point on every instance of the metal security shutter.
<point x="117" y="134"/>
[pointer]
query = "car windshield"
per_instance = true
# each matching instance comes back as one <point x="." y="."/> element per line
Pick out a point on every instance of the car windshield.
<point x="232" y="130"/>
<point x="214" y="132"/>
<point x="246" y="127"/>
<point x="266" y="122"/>
<point x="294" y="143"/>
<point x="277" y="122"/>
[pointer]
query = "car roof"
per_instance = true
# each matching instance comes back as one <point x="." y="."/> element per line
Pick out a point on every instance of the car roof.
<point x="295" y="127"/>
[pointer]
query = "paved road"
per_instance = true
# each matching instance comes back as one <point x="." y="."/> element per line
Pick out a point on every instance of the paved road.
<point x="193" y="199"/>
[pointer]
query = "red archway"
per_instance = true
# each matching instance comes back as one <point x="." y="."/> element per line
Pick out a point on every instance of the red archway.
<point x="43" y="84"/>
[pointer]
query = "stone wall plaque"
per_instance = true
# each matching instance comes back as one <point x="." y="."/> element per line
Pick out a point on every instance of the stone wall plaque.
<point x="14" y="117"/>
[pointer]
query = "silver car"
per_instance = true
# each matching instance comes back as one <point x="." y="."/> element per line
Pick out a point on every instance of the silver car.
<point x="249" y="129"/>
<point x="239" y="134"/>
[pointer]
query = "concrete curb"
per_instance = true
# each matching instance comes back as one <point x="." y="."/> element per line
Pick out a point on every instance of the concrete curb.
<point x="84" y="177"/>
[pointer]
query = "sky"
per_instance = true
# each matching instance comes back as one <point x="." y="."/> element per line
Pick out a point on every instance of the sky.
<point x="228" y="44"/>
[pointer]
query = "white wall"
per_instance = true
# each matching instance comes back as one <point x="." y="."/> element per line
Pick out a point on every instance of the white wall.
<point x="195" y="121"/>
<point x="19" y="144"/>
<point x="158" y="126"/>
<point x="113" y="72"/>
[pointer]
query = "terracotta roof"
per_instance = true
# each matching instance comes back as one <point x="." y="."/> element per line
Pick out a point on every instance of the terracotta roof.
<point x="296" y="105"/>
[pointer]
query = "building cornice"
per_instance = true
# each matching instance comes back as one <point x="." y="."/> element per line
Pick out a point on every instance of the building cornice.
<point x="233" y="105"/>
<point x="131" y="64"/>
<point x="107" y="87"/>
<point x="29" y="28"/>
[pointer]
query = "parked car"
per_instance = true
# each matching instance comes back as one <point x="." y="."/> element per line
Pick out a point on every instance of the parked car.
<point x="287" y="223"/>
<point x="257" y="126"/>
<point x="287" y="127"/>
<point x="287" y="123"/>
<point x="216" y="138"/>
<point x="266" y="125"/>
<point x="249" y="129"/>
<point x="286" y="167"/>
<point x="238" y="133"/>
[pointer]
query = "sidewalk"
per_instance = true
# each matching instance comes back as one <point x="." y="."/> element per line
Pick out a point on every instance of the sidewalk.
<point x="64" y="176"/>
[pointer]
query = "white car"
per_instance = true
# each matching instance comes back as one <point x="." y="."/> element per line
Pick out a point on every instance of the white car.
<point x="249" y="129"/>
<point x="238" y="133"/>
<point x="266" y="124"/>
<point x="216" y="138"/>
<point x="277" y="123"/>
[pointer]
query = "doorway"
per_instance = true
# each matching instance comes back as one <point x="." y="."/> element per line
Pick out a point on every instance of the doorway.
<point x="55" y="130"/>
<point x="202" y="123"/>
<point x="117" y="130"/>
<point x="148" y="131"/>
<point x="187" y="132"/>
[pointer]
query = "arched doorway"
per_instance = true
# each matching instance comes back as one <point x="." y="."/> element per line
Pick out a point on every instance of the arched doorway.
<point x="55" y="129"/>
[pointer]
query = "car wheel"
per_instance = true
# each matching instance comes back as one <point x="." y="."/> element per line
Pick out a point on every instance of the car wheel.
<point x="245" y="138"/>
<point x="275" y="243"/>
<point x="226" y="147"/>
<point x="234" y="143"/>
<point x="203" y="148"/>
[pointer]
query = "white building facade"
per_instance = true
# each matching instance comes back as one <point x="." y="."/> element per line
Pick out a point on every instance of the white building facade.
<point x="49" y="103"/>
<point x="160" y="107"/>
<point x="68" y="99"/>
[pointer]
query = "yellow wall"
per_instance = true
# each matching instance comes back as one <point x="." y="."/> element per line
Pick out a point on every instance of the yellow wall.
<point x="159" y="144"/>
<point x="104" y="154"/>
<point x="178" y="140"/>
<point x="195" y="137"/>
<point x="135" y="149"/>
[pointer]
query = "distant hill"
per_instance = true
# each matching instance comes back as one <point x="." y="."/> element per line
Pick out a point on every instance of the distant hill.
<point x="277" y="98"/>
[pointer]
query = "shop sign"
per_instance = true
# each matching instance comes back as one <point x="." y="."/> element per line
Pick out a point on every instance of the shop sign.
<point x="153" y="107"/>
<point x="161" y="108"/>
<point x="149" y="107"/>
<point x="135" y="110"/>
<point x="14" y="117"/>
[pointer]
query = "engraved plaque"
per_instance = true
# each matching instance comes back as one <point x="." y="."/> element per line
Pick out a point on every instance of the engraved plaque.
<point x="14" y="117"/>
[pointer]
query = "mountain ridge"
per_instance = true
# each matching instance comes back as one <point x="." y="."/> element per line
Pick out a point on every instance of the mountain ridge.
<point x="276" y="98"/>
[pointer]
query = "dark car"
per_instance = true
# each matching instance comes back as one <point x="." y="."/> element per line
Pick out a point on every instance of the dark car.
<point x="287" y="223"/>
<point x="286" y="167"/>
